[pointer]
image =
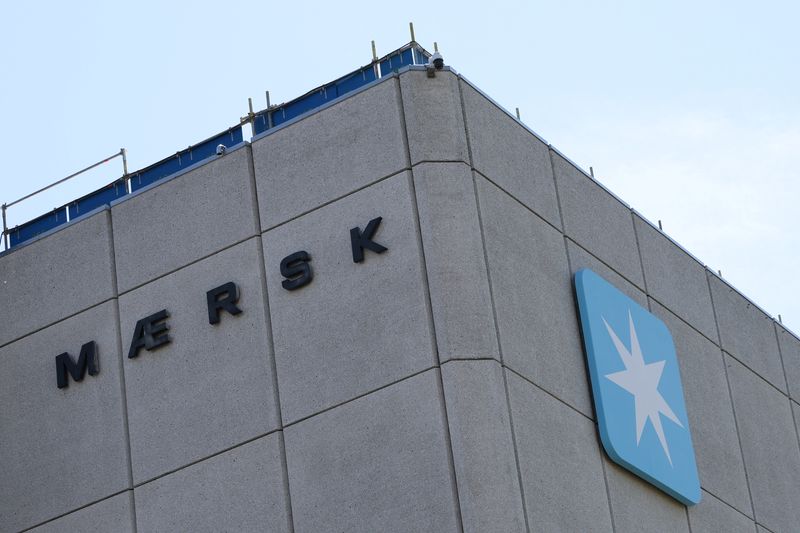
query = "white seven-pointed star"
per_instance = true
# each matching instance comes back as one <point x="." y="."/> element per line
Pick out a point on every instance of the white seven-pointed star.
<point x="641" y="379"/>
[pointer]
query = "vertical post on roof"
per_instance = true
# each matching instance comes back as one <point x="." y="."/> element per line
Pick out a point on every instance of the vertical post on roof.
<point x="375" y="66"/>
<point x="269" y="113"/>
<point x="5" y="228"/>
<point x="518" y="114"/>
<point x="251" y="115"/>
<point x="125" y="179"/>
<point x="411" y="28"/>
<point x="435" y="46"/>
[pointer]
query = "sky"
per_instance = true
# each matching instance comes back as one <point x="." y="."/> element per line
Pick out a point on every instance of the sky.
<point x="688" y="111"/>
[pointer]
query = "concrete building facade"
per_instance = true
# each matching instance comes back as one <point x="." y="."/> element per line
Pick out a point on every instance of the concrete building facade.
<point x="437" y="385"/>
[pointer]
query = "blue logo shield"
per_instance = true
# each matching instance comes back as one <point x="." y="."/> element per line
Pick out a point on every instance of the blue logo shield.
<point x="637" y="388"/>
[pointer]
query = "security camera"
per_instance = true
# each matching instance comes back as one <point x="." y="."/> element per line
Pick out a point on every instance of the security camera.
<point x="221" y="149"/>
<point x="436" y="62"/>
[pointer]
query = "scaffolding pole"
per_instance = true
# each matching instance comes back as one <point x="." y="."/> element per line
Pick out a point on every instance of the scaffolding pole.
<point x="5" y="207"/>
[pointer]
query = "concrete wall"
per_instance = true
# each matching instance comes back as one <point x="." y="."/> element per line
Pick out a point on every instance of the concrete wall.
<point x="438" y="386"/>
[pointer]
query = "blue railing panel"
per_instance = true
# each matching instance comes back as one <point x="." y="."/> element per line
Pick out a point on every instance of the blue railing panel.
<point x="155" y="173"/>
<point x="407" y="57"/>
<point x="340" y="87"/>
<point x="261" y="124"/>
<point x="395" y="61"/>
<point x="93" y="200"/>
<point x="298" y="107"/>
<point x="185" y="158"/>
<point x="354" y="81"/>
<point x="37" y="226"/>
<point x="314" y="100"/>
<point x="419" y="57"/>
<point x="208" y="148"/>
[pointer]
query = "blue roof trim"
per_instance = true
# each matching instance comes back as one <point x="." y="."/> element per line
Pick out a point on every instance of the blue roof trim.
<point x="178" y="173"/>
<point x="274" y="116"/>
<point x="54" y="230"/>
<point x="326" y="105"/>
<point x="102" y="196"/>
<point x="342" y="98"/>
<point x="30" y="229"/>
<point x="290" y="112"/>
<point x="184" y="158"/>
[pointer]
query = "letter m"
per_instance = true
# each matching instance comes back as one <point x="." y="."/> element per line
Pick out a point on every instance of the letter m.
<point x="64" y="364"/>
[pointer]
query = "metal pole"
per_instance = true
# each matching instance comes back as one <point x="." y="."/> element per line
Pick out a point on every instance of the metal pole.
<point x="251" y="115"/>
<point x="90" y="167"/>
<point x="5" y="228"/>
<point x="411" y="27"/>
<point x="62" y="180"/>
<point x="269" y="113"/>
<point x="125" y="179"/>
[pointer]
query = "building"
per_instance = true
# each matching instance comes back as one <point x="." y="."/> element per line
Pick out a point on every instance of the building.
<point x="419" y="368"/>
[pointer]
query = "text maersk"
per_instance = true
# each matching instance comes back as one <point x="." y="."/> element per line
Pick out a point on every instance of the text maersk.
<point x="151" y="332"/>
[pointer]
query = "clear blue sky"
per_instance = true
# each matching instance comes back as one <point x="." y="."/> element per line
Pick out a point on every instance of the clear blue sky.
<point x="689" y="111"/>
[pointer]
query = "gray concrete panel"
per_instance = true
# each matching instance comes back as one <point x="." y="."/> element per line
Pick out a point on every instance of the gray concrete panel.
<point x="60" y="448"/>
<point x="212" y="386"/>
<point x="434" y="120"/>
<point x="560" y="462"/>
<point x="796" y="413"/>
<point x="713" y="516"/>
<point x="378" y="463"/>
<point x="580" y="258"/>
<point x="597" y="221"/>
<point x="55" y="276"/>
<point x="454" y="259"/>
<point x="483" y="448"/>
<point x="790" y="352"/>
<point x="357" y="326"/>
<point x="242" y="489"/>
<point x="708" y="403"/>
<point x="769" y="445"/>
<point x="536" y="316"/>
<point x="184" y="219"/>
<point x="510" y="155"/>
<point x="638" y="506"/>
<point x="114" y="514"/>
<point x="330" y="154"/>
<point x="676" y="279"/>
<point x="747" y="333"/>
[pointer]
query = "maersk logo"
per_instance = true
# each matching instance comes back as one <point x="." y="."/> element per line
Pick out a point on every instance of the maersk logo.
<point x="637" y="388"/>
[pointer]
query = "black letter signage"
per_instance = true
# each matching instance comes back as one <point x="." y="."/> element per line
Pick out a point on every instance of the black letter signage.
<point x="359" y="240"/>
<point x="149" y="333"/>
<point x="64" y="364"/>
<point x="223" y="297"/>
<point x="296" y="270"/>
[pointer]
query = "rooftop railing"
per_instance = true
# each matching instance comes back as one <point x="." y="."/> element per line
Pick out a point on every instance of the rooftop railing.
<point x="260" y="121"/>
